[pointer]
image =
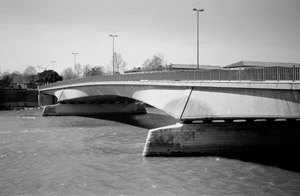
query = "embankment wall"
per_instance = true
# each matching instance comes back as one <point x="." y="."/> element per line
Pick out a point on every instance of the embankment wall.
<point x="15" y="99"/>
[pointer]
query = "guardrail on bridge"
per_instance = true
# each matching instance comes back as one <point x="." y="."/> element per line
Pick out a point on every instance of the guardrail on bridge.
<point x="245" y="74"/>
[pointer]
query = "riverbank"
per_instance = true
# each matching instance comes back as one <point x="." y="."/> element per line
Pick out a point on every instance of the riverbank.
<point x="11" y="99"/>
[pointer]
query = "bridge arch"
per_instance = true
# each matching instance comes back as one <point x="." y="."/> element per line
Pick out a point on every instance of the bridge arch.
<point x="171" y="100"/>
<point x="190" y="101"/>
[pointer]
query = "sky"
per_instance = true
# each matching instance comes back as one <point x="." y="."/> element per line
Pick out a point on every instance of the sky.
<point x="36" y="32"/>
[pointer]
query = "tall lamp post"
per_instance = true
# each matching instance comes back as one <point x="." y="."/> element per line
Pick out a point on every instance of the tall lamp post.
<point x="198" y="10"/>
<point x="53" y="69"/>
<point x="113" y="60"/>
<point x="53" y="64"/>
<point x="75" y="68"/>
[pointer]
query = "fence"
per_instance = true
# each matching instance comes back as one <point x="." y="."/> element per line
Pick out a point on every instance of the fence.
<point x="245" y="74"/>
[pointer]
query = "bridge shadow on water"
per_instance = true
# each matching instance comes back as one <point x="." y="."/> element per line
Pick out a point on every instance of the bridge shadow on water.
<point x="153" y="119"/>
<point x="284" y="160"/>
<point x="286" y="157"/>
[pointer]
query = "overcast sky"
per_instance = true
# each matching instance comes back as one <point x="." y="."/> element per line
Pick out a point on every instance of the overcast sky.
<point x="36" y="32"/>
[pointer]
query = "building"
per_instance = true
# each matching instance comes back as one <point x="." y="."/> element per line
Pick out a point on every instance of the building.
<point x="175" y="67"/>
<point x="240" y="64"/>
<point x="245" y="64"/>
<point x="184" y="67"/>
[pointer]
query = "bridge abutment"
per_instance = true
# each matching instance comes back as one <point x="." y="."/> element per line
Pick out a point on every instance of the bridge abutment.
<point x="45" y="99"/>
<point x="93" y="109"/>
<point x="222" y="138"/>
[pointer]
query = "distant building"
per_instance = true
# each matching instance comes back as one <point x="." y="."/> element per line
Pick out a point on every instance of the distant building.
<point x="134" y="70"/>
<point x="241" y="64"/>
<point x="192" y="67"/>
<point x="175" y="67"/>
<point x="245" y="64"/>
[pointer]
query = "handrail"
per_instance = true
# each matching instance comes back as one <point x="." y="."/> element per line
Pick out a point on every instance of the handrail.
<point x="245" y="74"/>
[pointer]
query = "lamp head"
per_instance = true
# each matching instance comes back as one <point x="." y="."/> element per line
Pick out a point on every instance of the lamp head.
<point x="199" y="10"/>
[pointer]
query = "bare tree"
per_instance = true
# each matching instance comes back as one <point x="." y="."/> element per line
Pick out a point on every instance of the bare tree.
<point x="86" y="69"/>
<point x="30" y="70"/>
<point x="68" y="74"/>
<point x="97" y="70"/>
<point x="78" y="70"/>
<point x="157" y="61"/>
<point x="146" y="63"/>
<point x="119" y="64"/>
<point x="17" y="77"/>
<point x="30" y="74"/>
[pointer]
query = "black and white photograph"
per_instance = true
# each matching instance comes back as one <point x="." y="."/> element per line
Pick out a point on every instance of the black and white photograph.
<point x="149" y="97"/>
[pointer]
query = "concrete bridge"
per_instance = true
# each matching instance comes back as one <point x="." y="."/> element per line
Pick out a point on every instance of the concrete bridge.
<point x="199" y="99"/>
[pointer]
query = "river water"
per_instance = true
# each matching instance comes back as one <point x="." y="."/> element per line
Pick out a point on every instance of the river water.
<point x="103" y="156"/>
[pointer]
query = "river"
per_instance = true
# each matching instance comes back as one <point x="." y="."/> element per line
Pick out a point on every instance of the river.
<point x="47" y="156"/>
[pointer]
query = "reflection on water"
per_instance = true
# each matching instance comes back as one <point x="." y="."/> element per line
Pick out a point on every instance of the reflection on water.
<point x="102" y="156"/>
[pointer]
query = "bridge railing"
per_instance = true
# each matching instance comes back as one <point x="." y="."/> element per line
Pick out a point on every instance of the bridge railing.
<point x="238" y="74"/>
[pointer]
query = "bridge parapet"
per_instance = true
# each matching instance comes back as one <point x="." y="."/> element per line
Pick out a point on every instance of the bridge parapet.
<point x="245" y="74"/>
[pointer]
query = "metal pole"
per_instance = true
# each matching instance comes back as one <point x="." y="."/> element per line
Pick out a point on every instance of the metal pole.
<point x="113" y="57"/>
<point x="294" y="73"/>
<point x="277" y="74"/>
<point x="53" y="70"/>
<point x="197" y="40"/>
<point x="75" y="67"/>
<point x="198" y="49"/>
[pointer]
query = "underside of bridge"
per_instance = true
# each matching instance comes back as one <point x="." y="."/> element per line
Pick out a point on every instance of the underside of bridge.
<point x="92" y="105"/>
<point x="211" y="115"/>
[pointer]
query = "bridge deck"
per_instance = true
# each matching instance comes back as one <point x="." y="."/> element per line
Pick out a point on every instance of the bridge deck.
<point x="221" y="76"/>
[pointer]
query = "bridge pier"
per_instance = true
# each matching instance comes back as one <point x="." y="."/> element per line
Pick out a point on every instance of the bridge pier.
<point x="89" y="109"/>
<point x="222" y="138"/>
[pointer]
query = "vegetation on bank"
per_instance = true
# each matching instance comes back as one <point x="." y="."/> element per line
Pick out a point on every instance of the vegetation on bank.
<point x="31" y="78"/>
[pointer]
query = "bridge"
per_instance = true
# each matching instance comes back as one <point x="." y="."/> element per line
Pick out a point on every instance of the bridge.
<point x="196" y="98"/>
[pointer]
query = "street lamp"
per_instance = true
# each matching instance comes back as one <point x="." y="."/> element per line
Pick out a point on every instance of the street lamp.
<point x="53" y="69"/>
<point x="198" y="10"/>
<point x="75" y="67"/>
<point x="53" y="64"/>
<point x="113" y="60"/>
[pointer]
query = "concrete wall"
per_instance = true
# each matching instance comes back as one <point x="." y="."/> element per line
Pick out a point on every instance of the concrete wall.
<point x="223" y="138"/>
<point x="242" y="103"/>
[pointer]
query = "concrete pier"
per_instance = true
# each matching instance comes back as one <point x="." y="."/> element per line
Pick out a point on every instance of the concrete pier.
<point x="221" y="138"/>
<point x="93" y="109"/>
